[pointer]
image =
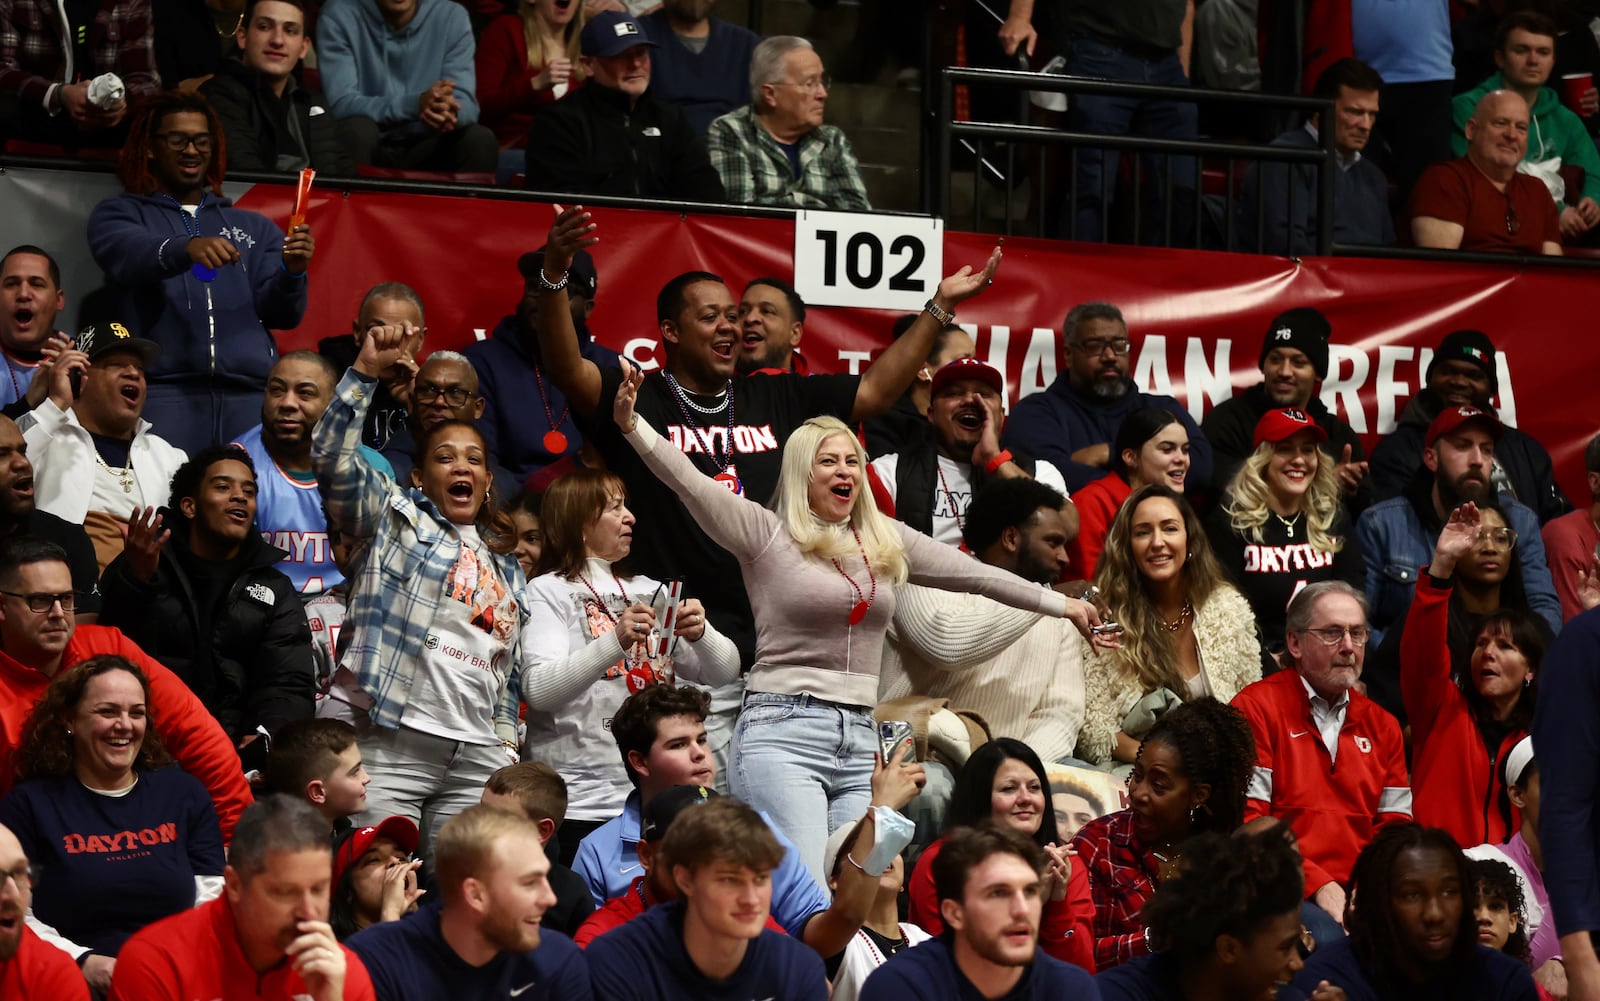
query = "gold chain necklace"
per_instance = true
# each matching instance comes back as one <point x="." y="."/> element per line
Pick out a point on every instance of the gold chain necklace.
<point x="1288" y="523"/>
<point x="1184" y="616"/>
<point x="124" y="475"/>
<point x="227" y="34"/>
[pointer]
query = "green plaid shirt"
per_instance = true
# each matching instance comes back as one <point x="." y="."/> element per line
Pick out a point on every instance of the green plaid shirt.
<point x="756" y="171"/>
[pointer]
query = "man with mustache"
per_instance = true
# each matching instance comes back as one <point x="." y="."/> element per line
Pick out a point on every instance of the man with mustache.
<point x="1073" y="422"/>
<point x="1397" y="535"/>
<point x="29" y="966"/>
<point x="930" y="483"/>
<point x="1479" y="201"/>
<point x="1330" y="762"/>
<point x="1464" y="370"/>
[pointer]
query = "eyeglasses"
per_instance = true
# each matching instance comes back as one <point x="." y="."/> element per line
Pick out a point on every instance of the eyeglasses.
<point x="179" y="141"/>
<point x="824" y="81"/>
<point x="1334" y="635"/>
<point x="1513" y="224"/>
<point x="456" y="396"/>
<point x="40" y="602"/>
<point x="1500" y="538"/>
<point x="23" y="875"/>
<point x="1119" y="346"/>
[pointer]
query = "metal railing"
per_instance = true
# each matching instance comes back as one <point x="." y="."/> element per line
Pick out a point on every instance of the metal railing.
<point x="1042" y="139"/>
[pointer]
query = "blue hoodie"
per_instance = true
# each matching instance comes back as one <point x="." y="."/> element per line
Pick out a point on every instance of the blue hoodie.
<point x="371" y="71"/>
<point x="644" y="960"/>
<point x="212" y="332"/>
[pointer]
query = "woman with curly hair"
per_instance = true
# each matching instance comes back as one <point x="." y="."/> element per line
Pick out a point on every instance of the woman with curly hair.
<point x="1187" y="632"/>
<point x="1499" y="907"/>
<point x="1004" y="783"/>
<point x="1281" y="525"/>
<point x="1412" y="931"/>
<point x="1189" y="778"/>
<point x="1226" y="924"/>
<point x="1464" y="725"/>
<point x="1152" y="446"/>
<point x="120" y="838"/>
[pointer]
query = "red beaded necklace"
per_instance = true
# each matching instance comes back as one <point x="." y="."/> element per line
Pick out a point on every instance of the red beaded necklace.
<point x="858" y="611"/>
<point x="584" y="580"/>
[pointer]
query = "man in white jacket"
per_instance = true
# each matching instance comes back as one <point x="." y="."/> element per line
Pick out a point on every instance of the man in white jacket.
<point x="95" y="460"/>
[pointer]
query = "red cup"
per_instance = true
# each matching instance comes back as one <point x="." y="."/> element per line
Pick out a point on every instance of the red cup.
<point x="1573" y="87"/>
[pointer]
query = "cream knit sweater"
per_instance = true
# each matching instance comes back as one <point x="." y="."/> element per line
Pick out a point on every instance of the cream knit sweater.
<point x="1020" y="671"/>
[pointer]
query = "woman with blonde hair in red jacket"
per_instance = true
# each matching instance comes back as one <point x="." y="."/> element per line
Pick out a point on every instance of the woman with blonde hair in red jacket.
<point x="1462" y="729"/>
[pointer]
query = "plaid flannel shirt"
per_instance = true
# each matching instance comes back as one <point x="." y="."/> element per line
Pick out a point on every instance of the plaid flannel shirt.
<point x="756" y="171"/>
<point x="401" y="580"/>
<point x="34" y="54"/>
<point x="1122" y="876"/>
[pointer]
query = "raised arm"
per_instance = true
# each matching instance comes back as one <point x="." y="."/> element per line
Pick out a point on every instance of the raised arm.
<point x="890" y="376"/>
<point x="1425" y="683"/>
<point x="737" y="524"/>
<point x="563" y="360"/>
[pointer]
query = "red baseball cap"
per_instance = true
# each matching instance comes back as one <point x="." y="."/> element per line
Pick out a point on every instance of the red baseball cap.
<point x="968" y="368"/>
<point x="355" y="844"/>
<point x="1451" y="418"/>
<point x="1281" y="425"/>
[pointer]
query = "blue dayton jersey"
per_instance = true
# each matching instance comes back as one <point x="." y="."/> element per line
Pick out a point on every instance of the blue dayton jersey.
<point x="290" y="516"/>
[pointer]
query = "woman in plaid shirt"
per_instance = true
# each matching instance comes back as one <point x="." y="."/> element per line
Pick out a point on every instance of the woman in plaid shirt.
<point x="1189" y="777"/>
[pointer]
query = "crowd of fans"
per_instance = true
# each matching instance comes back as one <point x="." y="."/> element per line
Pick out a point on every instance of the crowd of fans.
<point x="370" y="672"/>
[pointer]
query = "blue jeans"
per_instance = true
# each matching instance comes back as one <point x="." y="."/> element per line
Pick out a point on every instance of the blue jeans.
<point x="807" y="763"/>
<point x="1121" y="116"/>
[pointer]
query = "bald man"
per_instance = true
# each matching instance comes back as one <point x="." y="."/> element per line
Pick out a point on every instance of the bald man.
<point x="29" y="966"/>
<point x="1478" y="201"/>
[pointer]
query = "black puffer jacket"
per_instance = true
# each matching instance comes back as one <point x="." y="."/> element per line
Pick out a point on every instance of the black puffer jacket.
<point x="255" y="667"/>
<point x="257" y="131"/>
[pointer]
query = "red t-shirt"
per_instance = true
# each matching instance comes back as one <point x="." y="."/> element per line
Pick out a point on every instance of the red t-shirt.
<point x="1458" y="192"/>
<point x="40" y="970"/>
<point x="618" y="911"/>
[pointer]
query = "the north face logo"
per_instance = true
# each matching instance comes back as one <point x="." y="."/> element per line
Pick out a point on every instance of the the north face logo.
<point x="262" y="593"/>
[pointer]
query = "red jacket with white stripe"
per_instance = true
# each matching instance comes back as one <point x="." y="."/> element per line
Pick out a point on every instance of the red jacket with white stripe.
<point x="1459" y="787"/>
<point x="1333" y="804"/>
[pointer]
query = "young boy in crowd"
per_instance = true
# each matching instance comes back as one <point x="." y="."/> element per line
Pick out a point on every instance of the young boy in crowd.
<point x="317" y="760"/>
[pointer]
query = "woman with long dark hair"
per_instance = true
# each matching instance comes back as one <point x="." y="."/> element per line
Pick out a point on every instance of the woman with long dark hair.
<point x="1463" y="728"/>
<point x="121" y="838"/>
<point x="1004" y="783"/>
<point x="1152" y="446"/>
<point x="1187" y="632"/>
<point x="1189" y="778"/>
<point x="595" y="635"/>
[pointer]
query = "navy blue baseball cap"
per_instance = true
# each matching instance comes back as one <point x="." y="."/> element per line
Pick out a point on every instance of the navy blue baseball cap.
<point x="611" y="33"/>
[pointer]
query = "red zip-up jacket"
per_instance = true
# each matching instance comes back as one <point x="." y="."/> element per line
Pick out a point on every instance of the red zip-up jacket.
<point x="1458" y="787"/>
<point x="1066" y="929"/>
<point x="1334" y="805"/>
<point x="192" y="735"/>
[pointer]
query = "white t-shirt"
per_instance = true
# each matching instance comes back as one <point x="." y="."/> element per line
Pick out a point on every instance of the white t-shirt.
<point x="953" y="495"/>
<point x="465" y="657"/>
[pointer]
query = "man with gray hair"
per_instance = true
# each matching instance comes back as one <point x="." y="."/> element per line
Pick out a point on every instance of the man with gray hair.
<point x="613" y="136"/>
<point x="1330" y="762"/>
<point x="776" y="151"/>
<point x="266" y="937"/>
<point x="445" y="389"/>
<point x="1073" y="422"/>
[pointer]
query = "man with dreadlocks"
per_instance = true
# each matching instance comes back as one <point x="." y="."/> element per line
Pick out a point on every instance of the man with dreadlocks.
<point x="1412" y="934"/>
<point x="203" y="279"/>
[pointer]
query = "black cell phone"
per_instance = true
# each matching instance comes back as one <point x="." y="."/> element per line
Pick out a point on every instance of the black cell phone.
<point x="75" y="377"/>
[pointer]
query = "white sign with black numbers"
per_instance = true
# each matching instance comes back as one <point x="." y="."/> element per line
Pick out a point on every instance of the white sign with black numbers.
<point x="860" y="259"/>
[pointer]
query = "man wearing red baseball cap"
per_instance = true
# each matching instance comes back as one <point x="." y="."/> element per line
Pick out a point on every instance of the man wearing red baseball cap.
<point x="1397" y="535"/>
<point x="929" y="483"/>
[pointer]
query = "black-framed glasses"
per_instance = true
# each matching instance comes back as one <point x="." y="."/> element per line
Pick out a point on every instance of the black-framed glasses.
<point x="1513" y="224"/>
<point x="456" y="396"/>
<point x="1119" y="346"/>
<point x="1500" y="538"/>
<point x="179" y="141"/>
<point x="40" y="602"/>
<point x="1334" y="635"/>
<point x="25" y="876"/>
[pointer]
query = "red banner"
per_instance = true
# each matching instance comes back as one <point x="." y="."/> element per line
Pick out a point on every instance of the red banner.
<point x="1197" y="319"/>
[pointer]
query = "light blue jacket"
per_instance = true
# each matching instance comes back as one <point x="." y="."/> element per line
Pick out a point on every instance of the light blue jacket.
<point x="371" y="71"/>
<point x="1397" y="546"/>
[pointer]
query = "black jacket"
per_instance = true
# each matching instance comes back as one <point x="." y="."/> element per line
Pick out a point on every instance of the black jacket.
<point x="1231" y="428"/>
<point x="1528" y="473"/>
<point x="590" y="142"/>
<point x="257" y="130"/>
<point x="255" y="667"/>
